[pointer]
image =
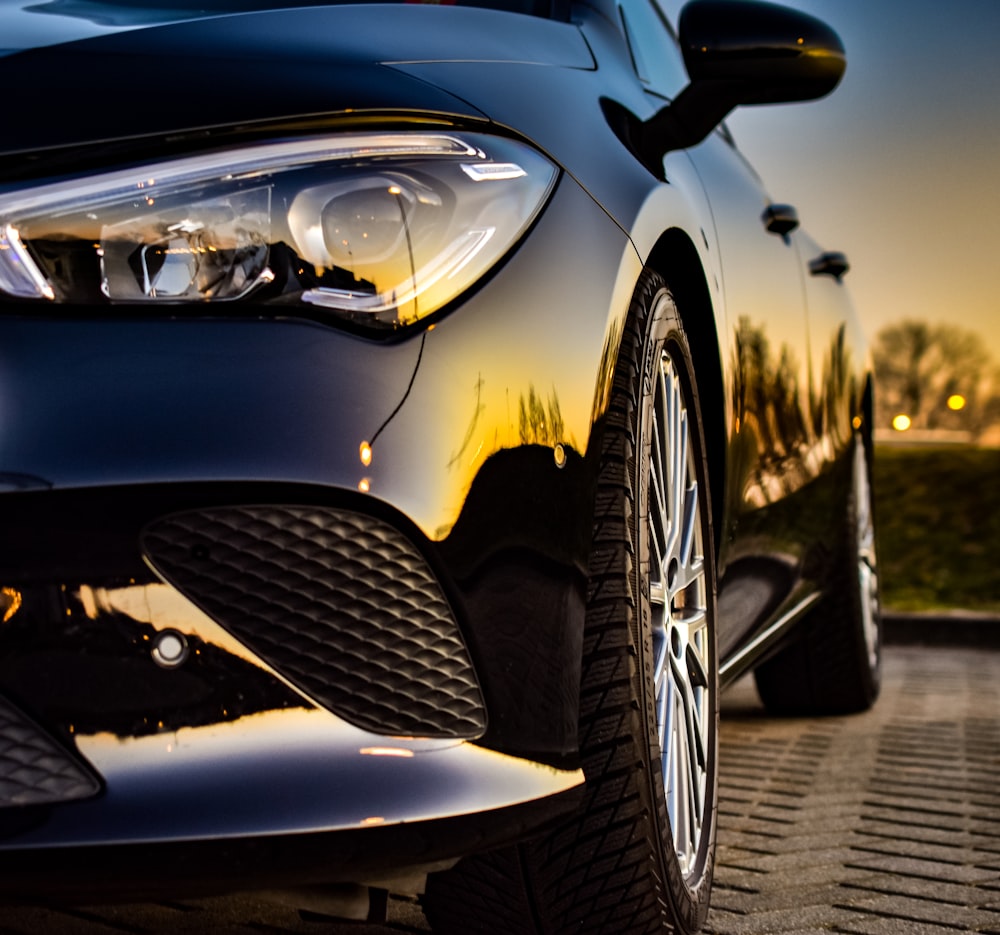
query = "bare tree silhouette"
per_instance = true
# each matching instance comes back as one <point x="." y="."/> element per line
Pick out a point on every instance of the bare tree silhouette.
<point x="538" y="423"/>
<point x="940" y="376"/>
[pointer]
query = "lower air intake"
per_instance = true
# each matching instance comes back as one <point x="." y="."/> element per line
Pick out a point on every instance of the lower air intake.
<point x="341" y="604"/>
<point x="34" y="768"/>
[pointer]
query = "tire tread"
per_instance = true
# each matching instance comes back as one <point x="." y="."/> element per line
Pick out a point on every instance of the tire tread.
<point x="599" y="871"/>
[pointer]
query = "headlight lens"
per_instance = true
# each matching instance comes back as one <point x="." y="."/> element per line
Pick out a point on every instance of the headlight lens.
<point x="380" y="228"/>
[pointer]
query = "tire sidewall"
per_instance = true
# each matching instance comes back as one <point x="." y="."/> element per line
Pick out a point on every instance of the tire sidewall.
<point x="871" y="670"/>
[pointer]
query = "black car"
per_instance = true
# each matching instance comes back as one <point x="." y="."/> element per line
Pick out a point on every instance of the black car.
<point x="411" y="416"/>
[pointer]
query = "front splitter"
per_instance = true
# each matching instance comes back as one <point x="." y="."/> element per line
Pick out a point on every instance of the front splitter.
<point x="280" y="772"/>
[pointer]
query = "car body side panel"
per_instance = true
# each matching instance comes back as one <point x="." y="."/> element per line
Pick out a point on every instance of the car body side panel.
<point x="755" y="281"/>
<point x="764" y="340"/>
<point x="840" y="357"/>
<point x="569" y="124"/>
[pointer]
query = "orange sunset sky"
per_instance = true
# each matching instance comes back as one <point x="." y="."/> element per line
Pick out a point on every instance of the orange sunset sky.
<point x="900" y="167"/>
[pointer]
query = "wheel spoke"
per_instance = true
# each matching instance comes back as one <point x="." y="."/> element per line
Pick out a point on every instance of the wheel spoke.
<point x="678" y="445"/>
<point x="690" y="523"/>
<point x="687" y="756"/>
<point x="689" y="574"/>
<point x="680" y="627"/>
<point x="658" y="470"/>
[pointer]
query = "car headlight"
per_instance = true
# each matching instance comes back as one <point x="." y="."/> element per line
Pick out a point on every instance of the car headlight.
<point x="380" y="228"/>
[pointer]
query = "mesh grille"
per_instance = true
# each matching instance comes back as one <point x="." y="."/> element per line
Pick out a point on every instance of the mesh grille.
<point x="34" y="768"/>
<point x="340" y="603"/>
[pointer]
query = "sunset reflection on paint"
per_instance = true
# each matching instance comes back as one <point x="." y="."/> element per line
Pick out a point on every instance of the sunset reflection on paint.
<point x="293" y="770"/>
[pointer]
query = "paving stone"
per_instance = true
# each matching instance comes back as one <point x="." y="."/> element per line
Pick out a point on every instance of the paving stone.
<point x="780" y="921"/>
<point x="756" y="823"/>
<point x="793" y="843"/>
<point x="956" y="822"/>
<point x="893" y="927"/>
<point x="30" y="920"/>
<point x="923" y="851"/>
<point x="958" y="894"/>
<point x="924" y="910"/>
<point x="896" y="831"/>
<point x="761" y="881"/>
<point x="798" y="861"/>
<point x="926" y="869"/>
<point x="797" y="896"/>
<point x="940" y="809"/>
<point x="925" y="786"/>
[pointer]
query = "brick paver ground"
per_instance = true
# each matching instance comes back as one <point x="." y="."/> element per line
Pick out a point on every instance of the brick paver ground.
<point x="886" y="823"/>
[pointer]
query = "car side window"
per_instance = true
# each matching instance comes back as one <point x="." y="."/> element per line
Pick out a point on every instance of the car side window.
<point x="655" y="53"/>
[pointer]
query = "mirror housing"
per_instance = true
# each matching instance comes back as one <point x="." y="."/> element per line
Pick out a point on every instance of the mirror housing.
<point x="738" y="52"/>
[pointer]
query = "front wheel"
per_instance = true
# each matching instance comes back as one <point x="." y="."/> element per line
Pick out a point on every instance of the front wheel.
<point x="638" y="855"/>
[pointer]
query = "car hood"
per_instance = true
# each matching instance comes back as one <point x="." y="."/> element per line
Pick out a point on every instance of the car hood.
<point x="91" y="72"/>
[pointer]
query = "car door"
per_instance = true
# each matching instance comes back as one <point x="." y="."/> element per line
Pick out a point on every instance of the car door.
<point x="764" y="342"/>
<point x="766" y="358"/>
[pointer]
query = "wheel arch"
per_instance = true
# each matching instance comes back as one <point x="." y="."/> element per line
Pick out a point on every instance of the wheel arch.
<point x="675" y="258"/>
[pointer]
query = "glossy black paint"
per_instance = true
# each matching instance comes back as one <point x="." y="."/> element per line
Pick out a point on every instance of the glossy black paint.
<point x="214" y="414"/>
<point x="484" y="427"/>
<point x="772" y="53"/>
<point x="304" y="63"/>
<point x="739" y="53"/>
<point x="78" y="655"/>
<point x="143" y="871"/>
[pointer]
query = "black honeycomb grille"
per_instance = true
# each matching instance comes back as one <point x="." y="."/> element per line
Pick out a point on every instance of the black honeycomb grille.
<point x="34" y="768"/>
<point x="340" y="603"/>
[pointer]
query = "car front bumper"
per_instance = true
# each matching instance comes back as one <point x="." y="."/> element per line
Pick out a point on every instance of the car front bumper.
<point x="480" y="435"/>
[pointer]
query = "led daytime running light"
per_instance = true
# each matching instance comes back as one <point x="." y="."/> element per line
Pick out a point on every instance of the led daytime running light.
<point x="19" y="276"/>
<point x="233" y="165"/>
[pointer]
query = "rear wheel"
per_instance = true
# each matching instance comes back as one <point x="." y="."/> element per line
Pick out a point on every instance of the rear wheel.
<point x="834" y="666"/>
<point x="638" y="855"/>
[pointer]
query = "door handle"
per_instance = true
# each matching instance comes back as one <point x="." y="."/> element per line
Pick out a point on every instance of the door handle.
<point x="780" y="219"/>
<point x="832" y="264"/>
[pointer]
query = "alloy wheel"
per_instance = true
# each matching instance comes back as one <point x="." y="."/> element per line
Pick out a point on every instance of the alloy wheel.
<point x="680" y="626"/>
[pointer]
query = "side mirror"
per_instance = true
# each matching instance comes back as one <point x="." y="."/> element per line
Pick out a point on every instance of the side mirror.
<point x="739" y="52"/>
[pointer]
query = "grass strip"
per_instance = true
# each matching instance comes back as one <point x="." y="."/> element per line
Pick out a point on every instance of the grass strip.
<point x="938" y="513"/>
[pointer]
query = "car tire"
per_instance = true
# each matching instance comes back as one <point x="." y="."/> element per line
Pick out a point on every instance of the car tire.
<point x="834" y="665"/>
<point x="638" y="854"/>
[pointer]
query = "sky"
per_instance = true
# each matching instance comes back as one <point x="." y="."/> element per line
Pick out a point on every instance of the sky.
<point x="900" y="166"/>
